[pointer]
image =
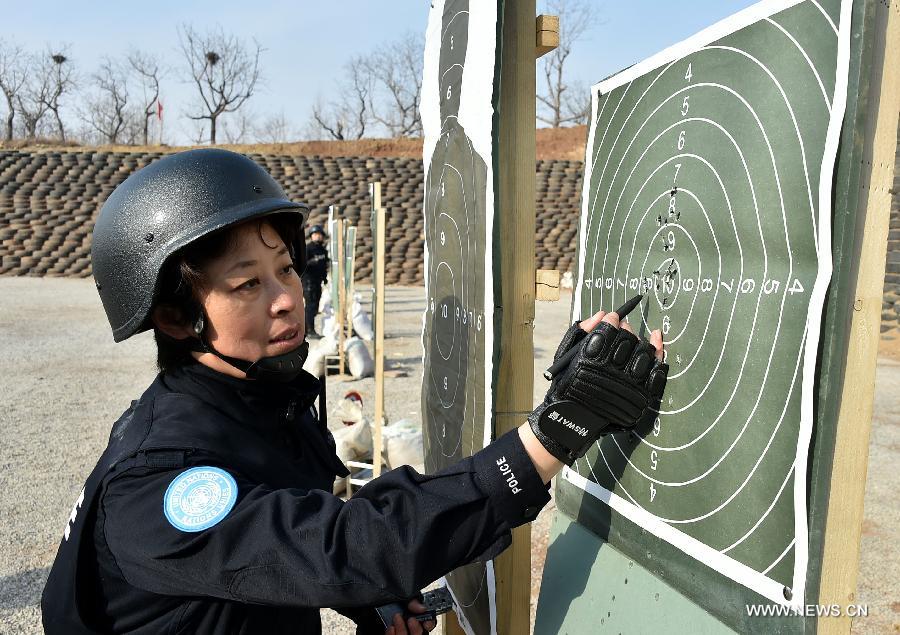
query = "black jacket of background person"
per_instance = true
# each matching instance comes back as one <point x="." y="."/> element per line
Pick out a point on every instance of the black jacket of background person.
<point x="317" y="263"/>
<point x="288" y="546"/>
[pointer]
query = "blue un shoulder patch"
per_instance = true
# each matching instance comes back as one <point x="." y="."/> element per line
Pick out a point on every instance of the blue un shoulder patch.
<point x="199" y="498"/>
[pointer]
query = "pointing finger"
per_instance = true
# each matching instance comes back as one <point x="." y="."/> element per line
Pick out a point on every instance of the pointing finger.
<point x="611" y="318"/>
<point x="591" y="323"/>
<point x="626" y="326"/>
<point x="657" y="341"/>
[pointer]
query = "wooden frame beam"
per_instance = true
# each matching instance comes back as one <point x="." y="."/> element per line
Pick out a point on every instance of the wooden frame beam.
<point x="378" y="216"/>
<point x="843" y="524"/>
<point x="516" y="218"/>
<point x="546" y="32"/>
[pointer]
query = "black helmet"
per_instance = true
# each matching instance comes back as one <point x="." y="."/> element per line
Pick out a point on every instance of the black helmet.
<point x="163" y="207"/>
<point x="316" y="229"/>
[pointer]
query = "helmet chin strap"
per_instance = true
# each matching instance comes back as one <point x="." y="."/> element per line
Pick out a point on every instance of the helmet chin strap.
<point x="278" y="368"/>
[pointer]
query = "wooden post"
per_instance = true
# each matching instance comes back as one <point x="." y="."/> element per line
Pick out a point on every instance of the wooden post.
<point x="341" y="306"/>
<point x="516" y="218"/>
<point x="378" y="217"/>
<point x="348" y="279"/>
<point x="843" y="523"/>
<point x="379" y="346"/>
<point x="349" y="287"/>
<point x="375" y="204"/>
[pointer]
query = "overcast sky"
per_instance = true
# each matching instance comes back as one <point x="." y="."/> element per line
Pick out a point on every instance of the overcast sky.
<point x="307" y="42"/>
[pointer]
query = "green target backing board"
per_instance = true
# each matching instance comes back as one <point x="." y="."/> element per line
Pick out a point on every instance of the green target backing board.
<point x="458" y="105"/>
<point x="708" y="188"/>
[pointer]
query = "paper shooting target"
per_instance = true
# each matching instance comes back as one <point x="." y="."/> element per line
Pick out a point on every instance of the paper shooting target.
<point x="707" y="188"/>
<point x="457" y="116"/>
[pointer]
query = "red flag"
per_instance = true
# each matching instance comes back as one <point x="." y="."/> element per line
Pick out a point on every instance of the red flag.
<point x="159" y="109"/>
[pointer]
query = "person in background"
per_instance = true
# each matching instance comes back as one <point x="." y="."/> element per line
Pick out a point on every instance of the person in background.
<point x="315" y="276"/>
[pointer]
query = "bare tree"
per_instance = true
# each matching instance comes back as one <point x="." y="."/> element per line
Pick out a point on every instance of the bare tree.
<point x="148" y="72"/>
<point x="559" y="103"/>
<point x="578" y="102"/>
<point x="397" y="69"/>
<point x="106" y="110"/>
<point x="239" y="128"/>
<point x="60" y="74"/>
<point x="275" y="129"/>
<point x="383" y="88"/>
<point x="13" y="73"/>
<point x="347" y="116"/>
<point x="31" y="100"/>
<point x="224" y="71"/>
<point x="197" y="132"/>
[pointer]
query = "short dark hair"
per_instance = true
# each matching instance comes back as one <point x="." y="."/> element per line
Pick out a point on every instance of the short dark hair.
<point x="183" y="276"/>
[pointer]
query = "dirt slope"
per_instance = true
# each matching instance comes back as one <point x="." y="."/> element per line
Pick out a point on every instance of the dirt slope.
<point x="560" y="143"/>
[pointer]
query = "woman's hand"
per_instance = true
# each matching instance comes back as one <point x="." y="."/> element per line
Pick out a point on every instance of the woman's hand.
<point x="602" y="332"/>
<point x="591" y="323"/>
<point x="412" y="626"/>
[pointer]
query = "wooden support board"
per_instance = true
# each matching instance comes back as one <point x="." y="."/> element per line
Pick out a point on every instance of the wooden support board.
<point x="516" y="215"/>
<point x="378" y="222"/>
<point x="843" y="523"/>
<point x="349" y="275"/>
<point x="340" y="306"/>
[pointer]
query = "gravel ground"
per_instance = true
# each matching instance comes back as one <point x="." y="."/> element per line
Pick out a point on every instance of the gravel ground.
<point x="877" y="586"/>
<point x="63" y="382"/>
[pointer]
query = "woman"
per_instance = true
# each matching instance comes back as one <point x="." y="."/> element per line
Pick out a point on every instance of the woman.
<point x="210" y="510"/>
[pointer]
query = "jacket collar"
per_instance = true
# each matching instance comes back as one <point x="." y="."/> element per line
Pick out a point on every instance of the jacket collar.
<point x="265" y="405"/>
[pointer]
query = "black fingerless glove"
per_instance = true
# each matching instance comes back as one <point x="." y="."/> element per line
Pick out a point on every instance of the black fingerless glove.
<point x="613" y="383"/>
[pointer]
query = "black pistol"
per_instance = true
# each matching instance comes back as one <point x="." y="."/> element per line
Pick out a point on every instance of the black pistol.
<point x="437" y="602"/>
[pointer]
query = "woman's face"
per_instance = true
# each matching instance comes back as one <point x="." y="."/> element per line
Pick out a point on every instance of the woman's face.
<point x="253" y="300"/>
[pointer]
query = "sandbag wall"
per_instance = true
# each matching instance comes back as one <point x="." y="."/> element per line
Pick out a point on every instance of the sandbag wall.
<point x="890" y="308"/>
<point x="49" y="200"/>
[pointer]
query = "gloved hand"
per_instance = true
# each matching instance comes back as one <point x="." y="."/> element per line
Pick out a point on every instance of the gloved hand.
<point x="614" y="382"/>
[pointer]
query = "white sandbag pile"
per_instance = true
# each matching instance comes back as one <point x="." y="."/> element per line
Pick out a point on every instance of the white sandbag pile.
<point x="402" y="445"/>
<point x="330" y="326"/>
<point x="352" y="433"/>
<point x="354" y="441"/>
<point x="325" y="298"/>
<point x="318" y="350"/>
<point x="347" y="411"/>
<point x="362" y="324"/>
<point x="359" y="360"/>
<point x="327" y="344"/>
<point x="352" y="430"/>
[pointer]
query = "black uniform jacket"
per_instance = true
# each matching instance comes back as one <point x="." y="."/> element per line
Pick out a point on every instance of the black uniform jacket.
<point x="317" y="263"/>
<point x="287" y="546"/>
